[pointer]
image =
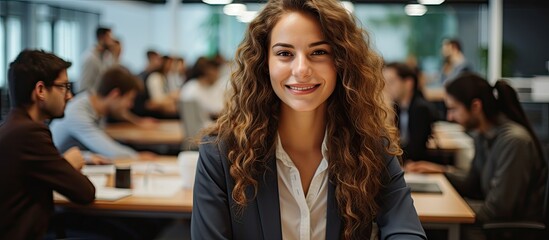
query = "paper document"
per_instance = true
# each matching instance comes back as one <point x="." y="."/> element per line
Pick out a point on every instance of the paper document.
<point x="98" y="169"/>
<point x="154" y="168"/>
<point x="111" y="194"/>
<point x="104" y="193"/>
<point x="156" y="186"/>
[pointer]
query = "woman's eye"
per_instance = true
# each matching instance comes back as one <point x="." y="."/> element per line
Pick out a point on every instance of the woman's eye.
<point x="320" y="52"/>
<point x="283" y="54"/>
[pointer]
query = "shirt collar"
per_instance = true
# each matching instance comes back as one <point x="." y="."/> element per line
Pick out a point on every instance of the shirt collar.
<point x="282" y="156"/>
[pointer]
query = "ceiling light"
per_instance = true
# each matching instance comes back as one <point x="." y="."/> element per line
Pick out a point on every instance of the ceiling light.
<point x="217" y="2"/>
<point x="431" y="2"/>
<point x="415" y="10"/>
<point x="234" y="9"/>
<point x="247" y="16"/>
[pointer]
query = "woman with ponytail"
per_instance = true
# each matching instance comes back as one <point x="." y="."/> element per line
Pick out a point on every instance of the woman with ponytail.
<point x="302" y="149"/>
<point x="508" y="172"/>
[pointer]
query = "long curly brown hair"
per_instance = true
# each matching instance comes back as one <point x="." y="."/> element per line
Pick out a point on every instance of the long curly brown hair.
<point x="359" y="137"/>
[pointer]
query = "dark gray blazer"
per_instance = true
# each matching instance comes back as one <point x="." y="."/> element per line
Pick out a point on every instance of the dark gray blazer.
<point x="214" y="218"/>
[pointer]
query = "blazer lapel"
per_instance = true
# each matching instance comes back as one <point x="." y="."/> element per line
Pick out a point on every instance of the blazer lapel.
<point x="268" y="202"/>
<point x="333" y="219"/>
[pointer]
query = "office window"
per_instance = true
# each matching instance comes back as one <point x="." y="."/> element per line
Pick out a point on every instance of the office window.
<point x="10" y="36"/>
<point x="67" y="44"/>
<point x="44" y="36"/>
<point x="13" y="34"/>
<point x="2" y="53"/>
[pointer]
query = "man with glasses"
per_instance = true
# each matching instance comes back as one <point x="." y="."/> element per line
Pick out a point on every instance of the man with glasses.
<point x="30" y="165"/>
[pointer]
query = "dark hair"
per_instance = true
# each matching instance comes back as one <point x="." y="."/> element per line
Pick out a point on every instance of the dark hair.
<point x="166" y="61"/>
<point x="468" y="87"/>
<point x="454" y="42"/>
<point x="29" y="68"/>
<point x="201" y="66"/>
<point x="152" y="53"/>
<point x="404" y="71"/>
<point x="118" y="78"/>
<point x="101" y="31"/>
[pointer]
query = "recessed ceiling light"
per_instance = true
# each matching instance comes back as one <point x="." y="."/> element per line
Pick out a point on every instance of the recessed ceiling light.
<point x="431" y="2"/>
<point x="415" y="9"/>
<point x="217" y="2"/>
<point x="234" y="9"/>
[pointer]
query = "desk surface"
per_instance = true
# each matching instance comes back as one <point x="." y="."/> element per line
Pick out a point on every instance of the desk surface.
<point x="167" y="132"/>
<point x="447" y="207"/>
<point x="448" y="137"/>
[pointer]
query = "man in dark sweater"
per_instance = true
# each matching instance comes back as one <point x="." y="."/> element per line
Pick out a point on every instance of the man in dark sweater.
<point x="30" y="165"/>
<point x="414" y="115"/>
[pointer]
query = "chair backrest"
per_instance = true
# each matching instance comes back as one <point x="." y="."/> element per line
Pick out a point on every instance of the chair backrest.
<point x="546" y="197"/>
<point x="193" y="119"/>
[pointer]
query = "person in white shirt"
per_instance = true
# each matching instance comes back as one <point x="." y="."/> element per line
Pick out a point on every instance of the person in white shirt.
<point x="303" y="150"/>
<point x="160" y="98"/>
<point x="102" y="56"/>
<point x="203" y="87"/>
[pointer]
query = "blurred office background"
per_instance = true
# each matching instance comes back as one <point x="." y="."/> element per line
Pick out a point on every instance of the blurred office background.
<point x="192" y="28"/>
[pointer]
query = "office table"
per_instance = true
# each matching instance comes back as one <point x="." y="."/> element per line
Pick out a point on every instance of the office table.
<point x="176" y="206"/>
<point x="441" y="211"/>
<point x="167" y="132"/>
<point x="447" y="210"/>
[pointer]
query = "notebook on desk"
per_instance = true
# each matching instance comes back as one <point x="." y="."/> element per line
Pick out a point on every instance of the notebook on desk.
<point x="427" y="187"/>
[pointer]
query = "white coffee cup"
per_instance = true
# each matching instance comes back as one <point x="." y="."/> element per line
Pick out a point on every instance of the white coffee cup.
<point x="187" y="165"/>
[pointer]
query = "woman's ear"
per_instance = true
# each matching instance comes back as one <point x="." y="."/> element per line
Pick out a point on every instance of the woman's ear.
<point x="476" y="106"/>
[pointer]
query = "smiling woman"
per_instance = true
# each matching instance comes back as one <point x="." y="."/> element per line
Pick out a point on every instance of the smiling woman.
<point x="301" y="65"/>
<point x="298" y="175"/>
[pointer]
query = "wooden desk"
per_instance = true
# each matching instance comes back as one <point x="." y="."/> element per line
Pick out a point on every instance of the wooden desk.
<point x="447" y="207"/>
<point x="447" y="210"/>
<point x="179" y="206"/>
<point x="447" y="136"/>
<point x="167" y="132"/>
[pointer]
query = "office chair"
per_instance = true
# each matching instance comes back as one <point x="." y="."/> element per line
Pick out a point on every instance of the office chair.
<point x="521" y="230"/>
<point x="193" y="120"/>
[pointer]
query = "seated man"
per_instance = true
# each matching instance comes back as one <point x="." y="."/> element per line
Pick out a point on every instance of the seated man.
<point x="30" y="166"/>
<point x="414" y="115"/>
<point x="508" y="172"/>
<point x="81" y="126"/>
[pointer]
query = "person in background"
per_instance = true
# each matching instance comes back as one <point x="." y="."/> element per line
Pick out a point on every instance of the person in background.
<point x="202" y="87"/>
<point x="154" y="63"/>
<point x="99" y="58"/>
<point x="31" y="168"/>
<point x="455" y="62"/>
<point x="177" y="75"/>
<point x="507" y="177"/>
<point x="303" y="151"/>
<point x="82" y="127"/>
<point x="414" y="115"/>
<point x="161" y="100"/>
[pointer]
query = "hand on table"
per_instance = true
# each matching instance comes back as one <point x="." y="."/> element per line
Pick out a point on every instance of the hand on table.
<point x="423" y="167"/>
<point x="97" y="159"/>
<point x="147" y="123"/>
<point x="74" y="157"/>
<point x="147" y="155"/>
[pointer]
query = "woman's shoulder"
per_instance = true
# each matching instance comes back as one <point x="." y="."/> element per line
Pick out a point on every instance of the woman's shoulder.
<point x="211" y="147"/>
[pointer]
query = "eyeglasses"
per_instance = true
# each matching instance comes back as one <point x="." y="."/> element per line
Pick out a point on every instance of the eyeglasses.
<point x="65" y="86"/>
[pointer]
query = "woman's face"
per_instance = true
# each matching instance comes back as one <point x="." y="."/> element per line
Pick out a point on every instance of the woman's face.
<point x="301" y="64"/>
